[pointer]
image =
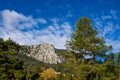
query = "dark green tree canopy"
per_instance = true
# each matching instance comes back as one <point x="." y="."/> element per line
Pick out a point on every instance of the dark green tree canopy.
<point x="85" y="38"/>
<point x="10" y="67"/>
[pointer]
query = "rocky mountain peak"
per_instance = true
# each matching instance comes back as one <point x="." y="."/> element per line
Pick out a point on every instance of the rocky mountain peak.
<point x="43" y="52"/>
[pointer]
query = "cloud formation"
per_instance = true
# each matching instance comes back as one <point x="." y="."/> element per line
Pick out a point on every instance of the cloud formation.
<point x="109" y="29"/>
<point x="26" y="30"/>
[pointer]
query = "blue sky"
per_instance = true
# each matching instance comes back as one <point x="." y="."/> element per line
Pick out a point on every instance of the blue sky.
<point x="52" y="21"/>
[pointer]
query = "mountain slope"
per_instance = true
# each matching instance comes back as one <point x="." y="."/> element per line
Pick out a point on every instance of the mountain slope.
<point x="43" y="52"/>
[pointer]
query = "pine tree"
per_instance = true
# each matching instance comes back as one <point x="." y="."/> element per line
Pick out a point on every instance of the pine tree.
<point x="10" y="67"/>
<point x="85" y="39"/>
<point x="118" y="57"/>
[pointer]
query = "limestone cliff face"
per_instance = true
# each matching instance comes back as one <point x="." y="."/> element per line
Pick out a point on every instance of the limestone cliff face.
<point x="43" y="52"/>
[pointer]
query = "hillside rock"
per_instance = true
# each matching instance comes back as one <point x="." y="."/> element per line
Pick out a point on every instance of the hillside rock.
<point x="43" y="52"/>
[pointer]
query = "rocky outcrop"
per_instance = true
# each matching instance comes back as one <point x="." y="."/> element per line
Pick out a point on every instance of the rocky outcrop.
<point x="43" y="52"/>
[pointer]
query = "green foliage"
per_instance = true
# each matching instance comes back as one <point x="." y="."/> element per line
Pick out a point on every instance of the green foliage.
<point x="10" y="67"/>
<point x="85" y="38"/>
<point x="111" y="56"/>
<point x="118" y="57"/>
<point x="106" y="71"/>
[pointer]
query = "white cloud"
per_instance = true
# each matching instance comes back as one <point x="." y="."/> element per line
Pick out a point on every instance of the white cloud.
<point x="55" y="34"/>
<point x="22" y="29"/>
<point x="106" y="17"/>
<point x="42" y="20"/>
<point x="12" y="19"/>
<point x="115" y="44"/>
<point x="109" y="30"/>
<point x="113" y="13"/>
<point x="54" y="20"/>
<point x="69" y="14"/>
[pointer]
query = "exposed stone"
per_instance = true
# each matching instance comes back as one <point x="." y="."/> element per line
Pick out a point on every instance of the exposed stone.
<point x="43" y="52"/>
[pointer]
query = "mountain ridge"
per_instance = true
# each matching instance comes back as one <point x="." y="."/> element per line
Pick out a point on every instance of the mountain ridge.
<point x="45" y="52"/>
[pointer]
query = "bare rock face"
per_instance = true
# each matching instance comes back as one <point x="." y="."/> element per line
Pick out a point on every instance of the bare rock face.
<point x="43" y="52"/>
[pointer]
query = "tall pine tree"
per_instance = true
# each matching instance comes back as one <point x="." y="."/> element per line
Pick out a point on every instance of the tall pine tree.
<point x="85" y="39"/>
